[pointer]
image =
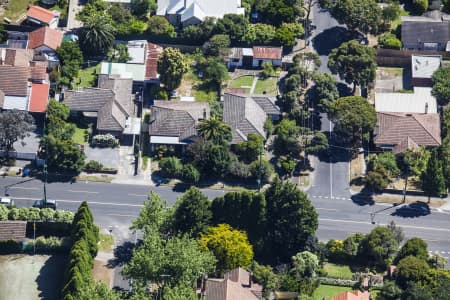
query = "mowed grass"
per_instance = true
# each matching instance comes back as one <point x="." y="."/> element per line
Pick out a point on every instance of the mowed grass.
<point x="106" y="242"/>
<point x="338" y="271"/>
<point x="328" y="291"/>
<point x="244" y="81"/>
<point x="266" y="86"/>
<point x="86" y="77"/>
<point x="391" y="71"/>
<point x="78" y="136"/>
<point x="16" y="8"/>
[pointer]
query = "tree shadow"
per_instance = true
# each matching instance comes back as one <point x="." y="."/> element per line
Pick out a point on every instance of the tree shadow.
<point x="344" y="89"/>
<point x="363" y="198"/>
<point x="122" y="254"/>
<point x="51" y="277"/>
<point x="330" y="39"/>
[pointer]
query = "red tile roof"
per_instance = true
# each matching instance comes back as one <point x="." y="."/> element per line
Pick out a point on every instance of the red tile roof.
<point x="40" y="14"/>
<point x="235" y="285"/>
<point x="39" y="97"/>
<point x="45" y="36"/>
<point x="354" y="295"/>
<point x="153" y="52"/>
<point x="267" y="52"/>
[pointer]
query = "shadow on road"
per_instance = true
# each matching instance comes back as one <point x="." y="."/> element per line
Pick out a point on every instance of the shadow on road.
<point x="363" y="199"/>
<point x="122" y="255"/>
<point x="329" y="39"/>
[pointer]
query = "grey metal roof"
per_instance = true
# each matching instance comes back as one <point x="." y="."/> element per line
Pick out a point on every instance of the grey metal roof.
<point x="420" y="30"/>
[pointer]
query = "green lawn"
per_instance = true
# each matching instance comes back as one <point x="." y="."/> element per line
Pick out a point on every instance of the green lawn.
<point x="266" y="86"/>
<point x="328" y="291"/>
<point x="204" y="96"/>
<point x="338" y="271"/>
<point x="16" y="8"/>
<point x="392" y="71"/>
<point x="241" y="81"/>
<point x="78" y="136"/>
<point x="106" y="242"/>
<point x="86" y="77"/>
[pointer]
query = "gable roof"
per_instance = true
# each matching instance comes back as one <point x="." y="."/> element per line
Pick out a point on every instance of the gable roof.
<point x="353" y="295"/>
<point x="14" y="80"/>
<point x="177" y="118"/>
<point x="39" y="97"/>
<point x="45" y="36"/>
<point x="405" y="102"/>
<point x="247" y="114"/>
<point x="405" y="130"/>
<point x="267" y="52"/>
<point x="425" y="30"/>
<point x="40" y="14"/>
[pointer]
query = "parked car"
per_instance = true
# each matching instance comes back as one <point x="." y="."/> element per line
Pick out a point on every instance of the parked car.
<point x="413" y="210"/>
<point x="6" y="201"/>
<point x="45" y="204"/>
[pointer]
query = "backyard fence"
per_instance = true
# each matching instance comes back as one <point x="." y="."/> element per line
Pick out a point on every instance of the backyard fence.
<point x="19" y="155"/>
<point x="402" y="58"/>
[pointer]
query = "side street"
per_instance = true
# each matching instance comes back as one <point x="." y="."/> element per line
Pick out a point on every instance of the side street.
<point x="231" y="150"/>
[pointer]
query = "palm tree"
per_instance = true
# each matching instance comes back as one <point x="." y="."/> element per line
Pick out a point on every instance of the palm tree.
<point x="96" y="35"/>
<point x="215" y="130"/>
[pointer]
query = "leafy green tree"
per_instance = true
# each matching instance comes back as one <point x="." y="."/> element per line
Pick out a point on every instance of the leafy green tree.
<point x="411" y="270"/>
<point x="96" y="35"/>
<point x="324" y="90"/>
<point x="267" y="70"/>
<point x="433" y="181"/>
<point x="419" y="6"/>
<point x="319" y="144"/>
<point x="218" y="45"/>
<point x="287" y="137"/>
<point x="154" y="215"/>
<point x="397" y="232"/>
<point x="358" y="15"/>
<point x="259" y="33"/>
<point x="305" y="265"/>
<point x="277" y="11"/>
<point x="265" y="276"/>
<point x="190" y="174"/>
<point x="179" y="292"/>
<point x="261" y="169"/>
<point x="389" y="291"/>
<point x="94" y="8"/>
<point x="352" y="243"/>
<point x="287" y="165"/>
<point x="292" y="220"/>
<point x="444" y="155"/>
<point x="119" y="53"/>
<point x="378" y="247"/>
<point x="416" y="160"/>
<point x="390" y="13"/>
<point x="389" y="41"/>
<point x="215" y="73"/>
<point x="446" y="6"/>
<point x="171" y="66"/>
<point x="192" y="213"/>
<point x="97" y="291"/>
<point x="141" y="8"/>
<point x="286" y="34"/>
<point x="387" y="160"/>
<point x="215" y="130"/>
<point x="14" y="125"/>
<point x="230" y="247"/>
<point x="353" y="62"/>
<point x="353" y="116"/>
<point x="232" y="25"/>
<point x="62" y="155"/>
<point x="171" y="166"/>
<point x="441" y="85"/>
<point x="250" y="150"/>
<point x="3" y="213"/>
<point x="413" y="247"/>
<point x="159" y="26"/>
<point x="71" y="58"/>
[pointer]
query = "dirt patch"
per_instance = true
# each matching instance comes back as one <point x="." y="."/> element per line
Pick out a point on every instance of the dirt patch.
<point x="102" y="272"/>
<point x="31" y="276"/>
<point x="399" y="198"/>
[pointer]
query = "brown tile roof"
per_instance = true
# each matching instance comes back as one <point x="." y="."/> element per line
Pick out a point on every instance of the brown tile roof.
<point x="41" y="14"/>
<point x="405" y="130"/>
<point x="235" y="286"/>
<point x="39" y="97"/>
<point x="38" y="73"/>
<point x="17" y="57"/>
<point x="267" y="52"/>
<point x="45" y="36"/>
<point x="151" y="65"/>
<point x="354" y="295"/>
<point x="12" y="230"/>
<point x="14" y="80"/>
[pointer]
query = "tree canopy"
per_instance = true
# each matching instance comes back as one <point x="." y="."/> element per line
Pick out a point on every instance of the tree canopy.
<point x="379" y="246"/>
<point x="413" y="247"/>
<point x="96" y="35"/>
<point x="171" y="66"/>
<point x="441" y="85"/>
<point x="215" y="130"/>
<point x="355" y="63"/>
<point x="361" y="15"/>
<point x="14" y="125"/>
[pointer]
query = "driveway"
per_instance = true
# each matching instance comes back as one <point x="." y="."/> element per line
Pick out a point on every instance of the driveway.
<point x="74" y="7"/>
<point x="109" y="157"/>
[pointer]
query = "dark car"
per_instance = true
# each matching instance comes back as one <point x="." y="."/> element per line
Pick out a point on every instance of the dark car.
<point x="413" y="210"/>
<point x="45" y="204"/>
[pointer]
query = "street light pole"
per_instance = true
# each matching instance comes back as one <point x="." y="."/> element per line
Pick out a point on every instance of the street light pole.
<point x="45" y="161"/>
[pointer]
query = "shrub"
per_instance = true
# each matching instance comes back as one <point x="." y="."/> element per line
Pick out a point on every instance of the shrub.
<point x="64" y="216"/>
<point x="376" y="181"/>
<point x="267" y="70"/>
<point x="389" y="41"/>
<point x="3" y="213"/>
<point x="52" y="244"/>
<point x="105" y="140"/>
<point x="264" y="167"/>
<point x="171" y="166"/>
<point x="10" y="246"/>
<point x="93" y="165"/>
<point x="190" y="174"/>
<point x="47" y="214"/>
<point x="239" y="170"/>
<point x="36" y="214"/>
<point x="337" y="282"/>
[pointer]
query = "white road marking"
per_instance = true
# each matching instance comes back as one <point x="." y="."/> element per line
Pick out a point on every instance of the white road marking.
<point x="119" y="215"/>
<point x="383" y="224"/>
<point x="23" y="188"/>
<point x="77" y="191"/>
<point x="137" y="195"/>
<point x="330" y="209"/>
<point x="79" y="201"/>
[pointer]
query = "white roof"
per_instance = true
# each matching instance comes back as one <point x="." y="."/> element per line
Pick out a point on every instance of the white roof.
<point x="447" y="48"/>
<point x="423" y="66"/>
<point x="14" y="102"/>
<point x="247" y="51"/>
<point x="133" y="71"/>
<point x="405" y="102"/>
<point x="137" y="51"/>
<point x="155" y="139"/>
<point x="199" y="8"/>
<point x="132" y="126"/>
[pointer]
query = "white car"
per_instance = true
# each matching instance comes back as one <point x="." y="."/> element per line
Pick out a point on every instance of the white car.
<point x="6" y="201"/>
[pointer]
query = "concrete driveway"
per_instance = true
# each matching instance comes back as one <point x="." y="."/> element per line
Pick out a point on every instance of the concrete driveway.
<point x="109" y="157"/>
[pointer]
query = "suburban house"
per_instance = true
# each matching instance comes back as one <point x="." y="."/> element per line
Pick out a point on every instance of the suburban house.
<point x="353" y="295"/>
<point x="419" y="102"/>
<point x="142" y="66"/>
<point x="43" y="17"/>
<point x="45" y="41"/>
<point x="254" y="57"/>
<point x="110" y="106"/>
<point x="236" y="284"/>
<point x="424" y="33"/>
<point x="175" y="122"/>
<point x="23" y="87"/>
<point x="398" y="132"/>
<point x="423" y="67"/>
<point x="248" y="113"/>
<point x="193" y="12"/>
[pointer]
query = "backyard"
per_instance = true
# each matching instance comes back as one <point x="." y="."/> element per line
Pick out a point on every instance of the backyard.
<point x="338" y="271"/>
<point x="262" y="86"/>
<point x="31" y="276"/>
<point x="328" y="291"/>
<point x="15" y="9"/>
<point x="87" y="77"/>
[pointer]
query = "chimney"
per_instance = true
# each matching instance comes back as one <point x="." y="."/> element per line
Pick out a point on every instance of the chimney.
<point x="426" y="107"/>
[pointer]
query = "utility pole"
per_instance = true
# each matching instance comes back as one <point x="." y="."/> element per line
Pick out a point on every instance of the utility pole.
<point x="260" y="166"/>
<point x="45" y="161"/>
<point x="406" y="182"/>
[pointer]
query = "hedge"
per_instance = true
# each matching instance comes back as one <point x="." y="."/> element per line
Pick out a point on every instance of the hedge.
<point x="10" y="246"/>
<point x="337" y="282"/>
<point x="31" y="214"/>
<point x="58" y="229"/>
<point x="49" y="245"/>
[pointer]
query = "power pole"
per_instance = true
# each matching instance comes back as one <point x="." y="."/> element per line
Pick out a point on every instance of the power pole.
<point x="45" y="161"/>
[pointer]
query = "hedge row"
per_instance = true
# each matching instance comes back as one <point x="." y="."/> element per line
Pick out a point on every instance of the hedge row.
<point x="85" y="237"/>
<point x="35" y="214"/>
<point x="41" y="245"/>
<point x="337" y="282"/>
